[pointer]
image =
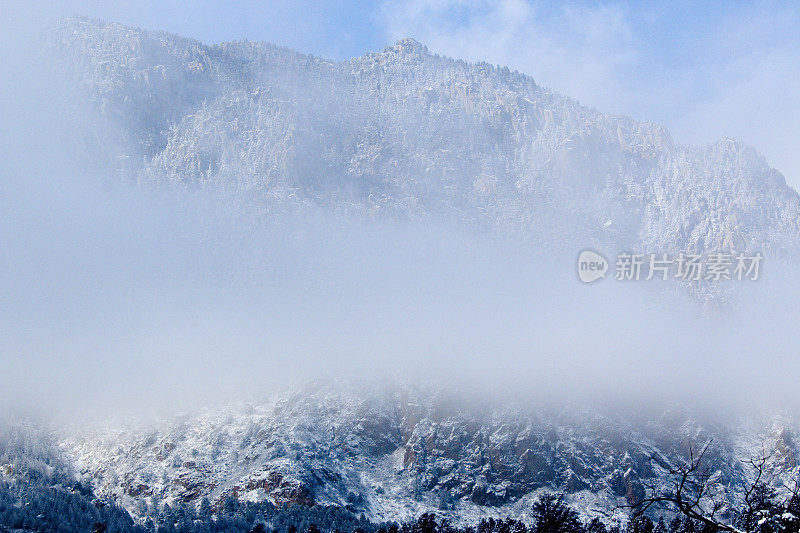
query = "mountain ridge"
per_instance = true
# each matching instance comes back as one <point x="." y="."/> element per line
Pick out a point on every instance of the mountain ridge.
<point x="414" y="134"/>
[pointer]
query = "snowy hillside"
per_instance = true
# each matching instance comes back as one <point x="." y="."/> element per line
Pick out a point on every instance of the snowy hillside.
<point x="405" y="132"/>
<point x="393" y="453"/>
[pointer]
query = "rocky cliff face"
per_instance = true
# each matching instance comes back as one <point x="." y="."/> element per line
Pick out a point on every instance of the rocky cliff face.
<point x="410" y="133"/>
<point x="396" y="452"/>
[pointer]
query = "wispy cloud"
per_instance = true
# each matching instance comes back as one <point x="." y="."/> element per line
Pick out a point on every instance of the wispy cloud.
<point x="577" y="51"/>
<point x="704" y="71"/>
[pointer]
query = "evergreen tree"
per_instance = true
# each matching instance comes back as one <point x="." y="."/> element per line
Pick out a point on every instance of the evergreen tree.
<point x="552" y="515"/>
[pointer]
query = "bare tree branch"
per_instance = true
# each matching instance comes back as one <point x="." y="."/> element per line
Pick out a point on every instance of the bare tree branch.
<point x="689" y="494"/>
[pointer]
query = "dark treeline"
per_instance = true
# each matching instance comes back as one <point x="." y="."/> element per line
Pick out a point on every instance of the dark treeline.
<point x="58" y="509"/>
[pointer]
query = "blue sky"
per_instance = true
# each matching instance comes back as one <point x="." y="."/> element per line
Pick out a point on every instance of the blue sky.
<point x="703" y="69"/>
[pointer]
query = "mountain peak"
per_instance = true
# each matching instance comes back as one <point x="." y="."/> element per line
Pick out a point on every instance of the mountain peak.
<point x="410" y="46"/>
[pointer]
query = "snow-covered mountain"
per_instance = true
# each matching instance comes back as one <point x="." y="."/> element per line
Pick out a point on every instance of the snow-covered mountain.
<point x="410" y="133"/>
<point x="395" y="452"/>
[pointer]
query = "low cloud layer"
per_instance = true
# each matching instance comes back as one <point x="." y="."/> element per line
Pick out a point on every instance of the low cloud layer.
<point x="116" y="298"/>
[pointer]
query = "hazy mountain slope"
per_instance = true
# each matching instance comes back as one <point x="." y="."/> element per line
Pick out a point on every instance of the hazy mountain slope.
<point x="394" y="453"/>
<point x="407" y="132"/>
<point x="39" y="490"/>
